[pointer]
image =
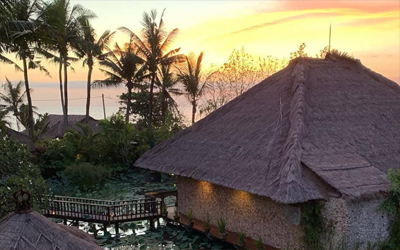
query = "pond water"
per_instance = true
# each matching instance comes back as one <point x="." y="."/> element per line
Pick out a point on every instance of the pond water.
<point x="139" y="236"/>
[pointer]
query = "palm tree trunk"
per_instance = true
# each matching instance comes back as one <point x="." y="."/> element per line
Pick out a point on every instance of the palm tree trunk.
<point x="163" y="104"/>
<point x="150" y="118"/>
<point x="194" y="109"/>
<point x="65" y="93"/>
<point x="61" y="89"/>
<point x="89" y="82"/>
<point x="128" y="102"/>
<point x="28" y="96"/>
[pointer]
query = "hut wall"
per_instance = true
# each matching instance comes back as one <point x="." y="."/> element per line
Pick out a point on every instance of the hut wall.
<point x="243" y="212"/>
<point x="356" y="222"/>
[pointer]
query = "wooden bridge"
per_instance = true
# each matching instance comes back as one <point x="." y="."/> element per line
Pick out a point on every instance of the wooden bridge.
<point x="103" y="211"/>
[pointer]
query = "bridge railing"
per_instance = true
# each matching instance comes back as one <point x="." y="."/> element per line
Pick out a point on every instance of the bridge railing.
<point x="101" y="210"/>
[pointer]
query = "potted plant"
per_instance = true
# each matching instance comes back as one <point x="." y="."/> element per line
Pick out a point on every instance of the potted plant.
<point x="176" y="215"/>
<point x="222" y="228"/>
<point x="259" y="244"/>
<point x="241" y="239"/>
<point x="207" y="226"/>
<point x="164" y="210"/>
<point x="189" y="216"/>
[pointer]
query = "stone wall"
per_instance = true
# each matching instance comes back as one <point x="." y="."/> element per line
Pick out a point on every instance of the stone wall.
<point x="243" y="212"/>
<point x="355" y="222"/>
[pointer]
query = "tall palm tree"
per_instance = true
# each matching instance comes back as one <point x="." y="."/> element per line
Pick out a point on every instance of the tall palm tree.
<point x="123" y="66"/>
<point x="167" y="83"/>
<point x="92" y="50"/>
<point x="63" y="31"/>
<point x="154" y="47"/>
<point x="13" y="99"/>
<point x="23" y="42"/>
<point x="191" y="77"/>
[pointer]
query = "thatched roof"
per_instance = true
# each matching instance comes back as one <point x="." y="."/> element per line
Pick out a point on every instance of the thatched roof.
<point x="21" y="137"/>
<point x="56" y="125"/>
<point x="316" y="129"/>
<point x="34" y="231"/>
<point x="26" y="229"/>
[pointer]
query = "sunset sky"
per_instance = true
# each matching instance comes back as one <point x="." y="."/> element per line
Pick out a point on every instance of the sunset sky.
<point x="368" y="30"/>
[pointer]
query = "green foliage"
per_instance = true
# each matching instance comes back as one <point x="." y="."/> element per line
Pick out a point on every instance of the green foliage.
<point x="313" y="225"/>
<point x="17" y="172"/>
<point x="392" y="206"/>
<point x="241" y="238"/>
<point x="86" y="175"/>
<point x="221" y="225"/>
<point x="54" y="155"/>
<point x="189" y="215"/>
<point x="259" y="244"/>
<point x="164" y="208"/>
<point x="206" y="221"/>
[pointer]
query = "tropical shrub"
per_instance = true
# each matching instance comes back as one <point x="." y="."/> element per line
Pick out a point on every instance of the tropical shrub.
<point x="221" y="226"/>
<point x="17" y="172"/>
<point x="313" y="225"/>
<point x="54" y="155"/>
<point x="392" y="206"/>
<point x="259" y="244"/>
<point x="85" y="175"/>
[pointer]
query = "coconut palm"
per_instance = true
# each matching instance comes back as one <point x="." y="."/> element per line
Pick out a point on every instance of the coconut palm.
<point x="92" y="50"/>
<point x="23" y="42"/>
<point x="154" y="46"/>
<point x="13" y="99"/>
<point x="63" y="29"/>
<point x="123" y="66"/>
<point x="190" y="75"/>
<point x="167" y="83"/>
<point x="3" y="121"/>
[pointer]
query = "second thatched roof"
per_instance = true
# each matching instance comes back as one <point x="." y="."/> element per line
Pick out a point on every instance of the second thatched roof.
<point x="22" y="231"/>
<point x="316" y="129"/>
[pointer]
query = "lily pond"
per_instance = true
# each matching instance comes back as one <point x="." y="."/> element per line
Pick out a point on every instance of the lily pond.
<point x="137" y="235"/>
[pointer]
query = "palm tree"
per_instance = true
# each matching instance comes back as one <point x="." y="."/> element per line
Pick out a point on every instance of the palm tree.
<point x="154" y="48"/>
<point x="123" y="66"/>
<point x="23" y="42"/>
<point x="167" y="83"/>
<point x="92" y="50"/>
<point x="13" y="99"/>
<point x="62" y="35"/>
<point x="191" y="77"/>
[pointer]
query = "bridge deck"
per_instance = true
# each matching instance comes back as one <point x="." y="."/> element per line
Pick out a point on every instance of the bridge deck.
<point x="103" y="211"/>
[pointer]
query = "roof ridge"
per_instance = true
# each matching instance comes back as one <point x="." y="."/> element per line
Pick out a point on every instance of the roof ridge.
<point x="290" y="171"/>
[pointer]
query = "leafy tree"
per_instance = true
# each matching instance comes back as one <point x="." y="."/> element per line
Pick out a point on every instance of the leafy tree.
<point x="92" y="50"/>
<point x="13" y="98"/>
<point x="300" y="52"/>
<point x="17" y="172"/>
<point x="154" y="46"/>
<point x="241" y="72"/>
<point x="123" y="66"/>
<point x="190" y="75"/>
<point x="24" y="43"/>
<point x="62" y="24"/>
<point x="167" y="83"/>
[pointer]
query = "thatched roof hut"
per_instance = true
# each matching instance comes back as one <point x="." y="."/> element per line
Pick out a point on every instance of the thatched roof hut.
<point x="55" y="124"/>
<point x="314" y="130"/>
<point x="22" y="138"/>
<point x="27" y="229"/>
<point x="317" y="132"/>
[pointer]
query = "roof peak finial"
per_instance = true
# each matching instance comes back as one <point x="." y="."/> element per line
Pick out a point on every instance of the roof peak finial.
<point x="23" y="201"/>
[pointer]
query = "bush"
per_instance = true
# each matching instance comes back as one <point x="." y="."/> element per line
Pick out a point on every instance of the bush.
<point x="54" y="155"/>
<point x="86" y="175"/>
<point x="16" y="172"/>
<point x="392" y="206"/>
